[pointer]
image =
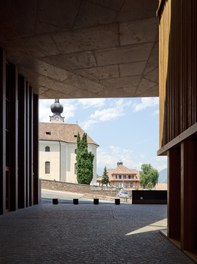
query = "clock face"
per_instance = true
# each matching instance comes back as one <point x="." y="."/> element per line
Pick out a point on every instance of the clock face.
<point x="57" y="118"/>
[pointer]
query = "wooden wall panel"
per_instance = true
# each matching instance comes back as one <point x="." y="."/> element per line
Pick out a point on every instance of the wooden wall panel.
<point x="2" y="132"/>
<point x="188" y="196"/>
<point x="35" y="149"/>
<point x="22" y="163"/>
<point x="27" y="145"/>
<point x="12" y="83"/>
<point x="30" y="146"/>
<point x="178" y="64"/>
<point x="18" y="140"/>
<point x="174" y="193"/>
<point x="178" y="116"/>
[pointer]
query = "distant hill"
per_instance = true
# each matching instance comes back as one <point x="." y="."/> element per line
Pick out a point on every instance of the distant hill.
<point x="163" y="176"/>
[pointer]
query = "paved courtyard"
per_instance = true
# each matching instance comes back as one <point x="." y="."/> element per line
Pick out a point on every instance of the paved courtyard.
<point x="87" y="233"/>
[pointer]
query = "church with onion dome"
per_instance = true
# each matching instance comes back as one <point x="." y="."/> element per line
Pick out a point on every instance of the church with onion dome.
<point x="57" y="148"/>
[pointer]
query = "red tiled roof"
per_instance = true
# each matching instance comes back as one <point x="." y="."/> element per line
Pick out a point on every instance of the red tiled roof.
<point x="121" y="169"/>
<point x="63" y="132"/>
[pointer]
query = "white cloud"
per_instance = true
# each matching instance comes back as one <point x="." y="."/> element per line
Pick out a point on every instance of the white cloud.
<point x="45" y="109"/>
<point x="110" y="156"/>
<point x="145" y="102"/>
<point x="69" y="110"/>
<point x="159" y="162"/>
<point x="107" y="114"/>
<point x="87" y="124"/>
<point x="92" y="102"/>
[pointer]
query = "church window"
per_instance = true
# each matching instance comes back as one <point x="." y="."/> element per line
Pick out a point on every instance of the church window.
<point x="47" y="149"/>
<point x="47" y="167"/>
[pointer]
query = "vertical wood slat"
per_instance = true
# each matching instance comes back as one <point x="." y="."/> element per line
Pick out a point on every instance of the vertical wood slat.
<point x="189" y="62"/>
<point x="193" y="61"/>
<point x="21" y="142"/>
<point x="182" y="70"/>
<point x="27" y="142"/>
<point x="167" y="66"/>
<point x="174" y="192"/>
<point x="30" y="146"/>
<point x="163" y="63"/>
<point x="35" y="149"/>
<point x="168" y="72"/>
<point x="188" y="196"/>
<point x="2" y="132"/>
<point x="177" y="73"/>
<point x="161" y="88"/>
<point x="13" y="88"/>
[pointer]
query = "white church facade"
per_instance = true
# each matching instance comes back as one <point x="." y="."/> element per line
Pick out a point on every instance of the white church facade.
<point x="57" y="148"/>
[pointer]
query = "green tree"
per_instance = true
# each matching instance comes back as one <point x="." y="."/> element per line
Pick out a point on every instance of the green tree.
<point x="84" y="159"/>
<point x="105" y="178"/>
<point x="148" y="176"/>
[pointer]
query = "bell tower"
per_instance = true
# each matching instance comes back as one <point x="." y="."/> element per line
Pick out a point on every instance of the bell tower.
<point x="56" y="109"/>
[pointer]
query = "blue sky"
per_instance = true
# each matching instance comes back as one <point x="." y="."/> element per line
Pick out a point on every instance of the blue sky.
<point x="126" y="129"/>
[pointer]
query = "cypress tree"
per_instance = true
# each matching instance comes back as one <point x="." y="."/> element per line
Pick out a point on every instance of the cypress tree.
<point x="105" y="178"/>
<point x="84" y="161"/>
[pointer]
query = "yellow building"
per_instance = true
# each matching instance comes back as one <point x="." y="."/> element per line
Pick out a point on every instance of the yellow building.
<point x="123" y="177"/>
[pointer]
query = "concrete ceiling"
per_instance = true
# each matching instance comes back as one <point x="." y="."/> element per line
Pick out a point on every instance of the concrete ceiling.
<point x="83" y="48"/>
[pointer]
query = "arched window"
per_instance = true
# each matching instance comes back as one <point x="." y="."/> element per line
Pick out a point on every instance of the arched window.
<point x="47" y="167"/>
<point x="47" y="149"/>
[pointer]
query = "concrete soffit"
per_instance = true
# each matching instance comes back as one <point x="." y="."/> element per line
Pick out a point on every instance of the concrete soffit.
<point x="83" y="49"/>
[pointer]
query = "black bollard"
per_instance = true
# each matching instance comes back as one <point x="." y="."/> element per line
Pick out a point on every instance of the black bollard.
<point x="55" y="201"/>
<point x="75" y="201"/>
<point x="117" y="201"/>
<point x="96" y="201"/>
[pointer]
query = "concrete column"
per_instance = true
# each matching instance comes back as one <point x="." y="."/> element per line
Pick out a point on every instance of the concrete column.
<point x="30" y="146"/>
<point x="35" y="150"/>
<point x="22" y="142"/>
<point x="2" y="132"/>
<point x="27" y="143"/>
<point x="174" y="190"/>
<point x="12" y="85"/>
<point x="188" y="196"/>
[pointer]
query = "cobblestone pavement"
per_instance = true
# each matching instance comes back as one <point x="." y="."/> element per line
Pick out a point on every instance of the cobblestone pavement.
<point x="86" y="233"/>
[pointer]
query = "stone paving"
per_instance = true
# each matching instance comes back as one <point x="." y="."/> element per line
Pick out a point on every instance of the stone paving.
<point x="86" y="233"/>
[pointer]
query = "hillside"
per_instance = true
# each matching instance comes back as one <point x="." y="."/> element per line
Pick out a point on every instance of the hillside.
<point x="163" y="176"/>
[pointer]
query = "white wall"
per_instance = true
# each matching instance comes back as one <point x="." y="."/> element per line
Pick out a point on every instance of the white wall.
<point x="62" y="160"/>
<point x="53" y="157"/>
<point x="71" y="176"/>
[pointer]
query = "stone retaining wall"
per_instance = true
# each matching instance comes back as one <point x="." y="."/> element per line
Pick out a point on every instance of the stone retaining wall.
<point x="78" y="188"/>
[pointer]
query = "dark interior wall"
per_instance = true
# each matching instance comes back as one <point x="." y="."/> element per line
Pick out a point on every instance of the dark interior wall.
<point x="19" y="132"/>
<point x="2" y="132"/>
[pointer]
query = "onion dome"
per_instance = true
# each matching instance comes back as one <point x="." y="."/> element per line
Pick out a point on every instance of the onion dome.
<point x="56" y="108"/>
